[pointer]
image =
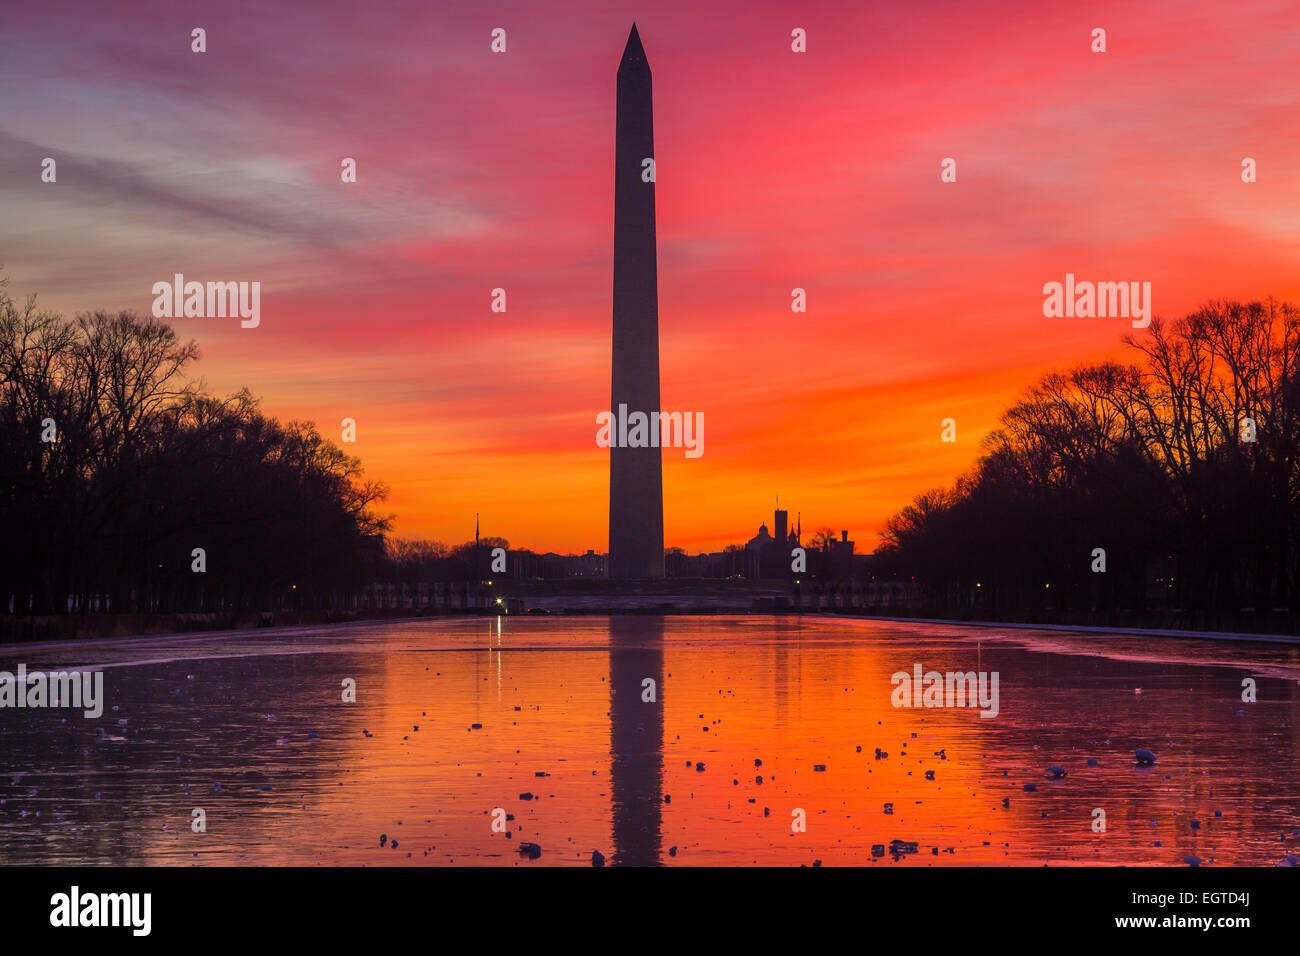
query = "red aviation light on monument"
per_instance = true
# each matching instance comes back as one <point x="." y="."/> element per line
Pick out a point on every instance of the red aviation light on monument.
<point x="634" y="53"/>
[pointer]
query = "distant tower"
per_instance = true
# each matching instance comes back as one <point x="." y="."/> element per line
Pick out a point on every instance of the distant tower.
<point x="636" y="493"/>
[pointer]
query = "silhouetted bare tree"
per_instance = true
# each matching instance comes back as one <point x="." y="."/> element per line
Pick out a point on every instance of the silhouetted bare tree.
<point x="1184" y="468"/>
<point x="114" y="468"/>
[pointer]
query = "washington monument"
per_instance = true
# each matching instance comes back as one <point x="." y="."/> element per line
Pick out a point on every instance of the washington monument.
<point x="636" y="490"/>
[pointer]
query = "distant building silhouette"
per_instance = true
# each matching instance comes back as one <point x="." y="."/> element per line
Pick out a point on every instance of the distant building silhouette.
<point x="841" y="556"/>
<point x="773" y="550"/>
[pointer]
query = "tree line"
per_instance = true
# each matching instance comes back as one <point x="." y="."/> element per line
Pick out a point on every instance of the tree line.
<point x="1171" y="480"/>
<point x="421" y="561"/>
<point x="125" y="487"/>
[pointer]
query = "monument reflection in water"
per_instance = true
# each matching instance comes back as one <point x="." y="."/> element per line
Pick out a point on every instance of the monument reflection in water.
<point x="636" y="737"/>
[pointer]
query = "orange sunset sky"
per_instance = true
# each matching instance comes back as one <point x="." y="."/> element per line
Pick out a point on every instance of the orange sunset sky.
<point x="774" y="170"/>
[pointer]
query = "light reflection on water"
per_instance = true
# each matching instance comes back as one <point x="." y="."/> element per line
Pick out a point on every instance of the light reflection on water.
<point x="562" y="715"/>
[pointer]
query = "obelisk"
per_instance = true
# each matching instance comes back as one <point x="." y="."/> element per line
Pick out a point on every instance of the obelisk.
<point x="636" y="494"/>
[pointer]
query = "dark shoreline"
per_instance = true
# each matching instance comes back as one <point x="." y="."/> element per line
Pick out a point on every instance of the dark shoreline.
<point x="1269" y="626"/>
<point x="1276" y="627"/>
